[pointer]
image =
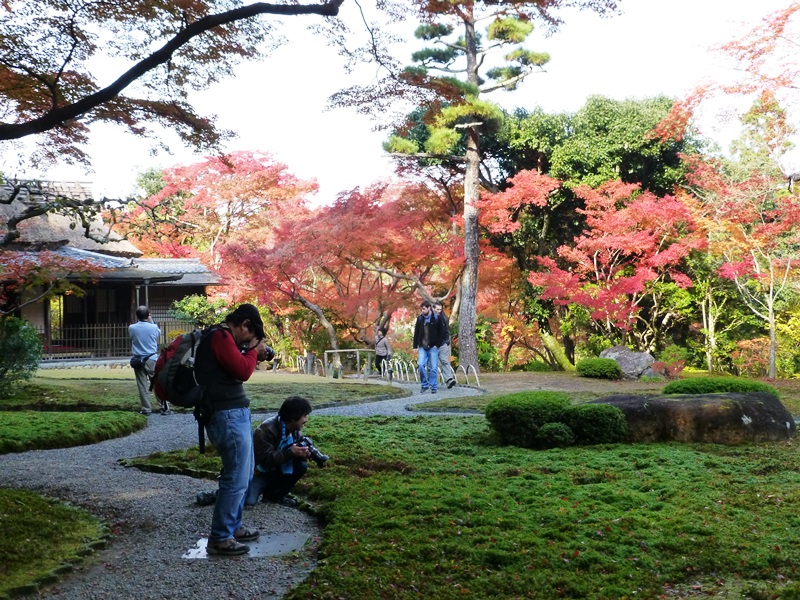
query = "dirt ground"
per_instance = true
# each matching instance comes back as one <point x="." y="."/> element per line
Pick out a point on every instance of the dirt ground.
<point x="563" y="382"/>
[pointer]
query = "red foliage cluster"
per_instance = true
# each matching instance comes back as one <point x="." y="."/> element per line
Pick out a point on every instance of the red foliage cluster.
<point x="632" y="240"/>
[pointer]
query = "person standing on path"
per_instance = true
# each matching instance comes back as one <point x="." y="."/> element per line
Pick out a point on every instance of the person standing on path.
<point x="224" y="361"/>
<point x="444" y="350"/>
<point x="383" y="351"/>
<point x="428" y="336"/>
<point x="144" y="348"/>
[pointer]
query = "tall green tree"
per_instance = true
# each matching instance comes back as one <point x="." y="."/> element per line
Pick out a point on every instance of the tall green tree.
<point x="453" y="74"/>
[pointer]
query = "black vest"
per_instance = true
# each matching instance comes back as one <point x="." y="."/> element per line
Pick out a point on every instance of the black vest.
<point x="222" y="391"/>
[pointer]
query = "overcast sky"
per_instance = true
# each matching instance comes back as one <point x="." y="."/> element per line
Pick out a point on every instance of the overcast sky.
<point x="654" y="47"/>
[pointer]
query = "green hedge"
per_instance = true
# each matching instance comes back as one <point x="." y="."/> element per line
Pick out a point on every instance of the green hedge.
<point x="596" y="423"/>
<point x="549" y="420"/>
<point x="599" y="368"/>
<point x="555" y="435"/>
<point x="517" y="417"/>
<point x="713" y="385"/>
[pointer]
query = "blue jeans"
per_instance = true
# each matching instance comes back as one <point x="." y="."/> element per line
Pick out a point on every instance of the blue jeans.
<point x="274" y="484"/>
<point x="428" y="359"/>
<point x="231" y="432"/>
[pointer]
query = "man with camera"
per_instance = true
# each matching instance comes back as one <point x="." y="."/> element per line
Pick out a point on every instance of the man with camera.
<point x="223" y="362"/>
<point x="282" y="453"/>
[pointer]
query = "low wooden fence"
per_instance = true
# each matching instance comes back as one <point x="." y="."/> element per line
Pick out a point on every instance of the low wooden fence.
<point x="105" y="341"/>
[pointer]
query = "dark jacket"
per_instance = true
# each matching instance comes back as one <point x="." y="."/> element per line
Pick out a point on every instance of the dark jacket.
<point x="446" y="340"/>
<point x="222" y="368"/>
<point x="266" y="439"/>
<point x="437" y="332"/>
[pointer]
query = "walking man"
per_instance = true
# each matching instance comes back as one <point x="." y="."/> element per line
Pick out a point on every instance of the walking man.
<point x="428" y="336"/>
<point x="444" y="350"/>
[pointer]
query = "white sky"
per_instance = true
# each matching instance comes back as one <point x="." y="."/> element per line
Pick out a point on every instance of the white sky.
<point x="654" y="47"/>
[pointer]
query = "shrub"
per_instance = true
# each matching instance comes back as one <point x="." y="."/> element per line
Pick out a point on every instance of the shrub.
<point x="537" y="366"/>
<point x="751" y="357"/>
<point x="674" y="353"/>
<point x="712" y="385"/>
<point x="600" y="368"/>
<point x="554" y="435"/>
<point x="20" y="352"/>
<point x="596" y="423"/>
<point x="517" y="417"/>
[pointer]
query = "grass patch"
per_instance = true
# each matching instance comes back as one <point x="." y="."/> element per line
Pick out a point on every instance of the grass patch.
<point x="432" y="507"/>
<point x="115" y="389"/>
<point x="41" y="538"/>
<point x="30" y="430"/>
<point x="185" y="462"/>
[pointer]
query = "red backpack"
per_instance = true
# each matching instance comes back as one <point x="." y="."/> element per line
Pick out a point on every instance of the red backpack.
<point x="174" y="379"/>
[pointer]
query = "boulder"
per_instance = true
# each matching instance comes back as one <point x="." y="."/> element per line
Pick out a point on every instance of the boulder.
<point x="725" y="418"/>
<point x="633" y="364"/>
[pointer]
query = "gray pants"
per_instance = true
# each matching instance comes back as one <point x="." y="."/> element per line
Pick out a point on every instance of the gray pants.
<point x="143" y="382"/>
<point x="444" y="362"/>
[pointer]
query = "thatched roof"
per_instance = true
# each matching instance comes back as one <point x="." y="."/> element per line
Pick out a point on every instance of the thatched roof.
<point x="65" y="236"/>
<point x="164" y="271"/>
<point x="54" y="230"/>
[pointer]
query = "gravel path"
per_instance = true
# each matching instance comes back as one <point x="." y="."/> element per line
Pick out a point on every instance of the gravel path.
<point x="155" y="519"/>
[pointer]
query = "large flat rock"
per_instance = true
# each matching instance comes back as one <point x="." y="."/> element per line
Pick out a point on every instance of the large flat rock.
<point x="725" y="418"/>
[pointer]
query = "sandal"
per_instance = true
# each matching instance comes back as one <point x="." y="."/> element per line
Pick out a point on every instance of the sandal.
<point x="243" y="534"/>
<point x="226" y="548"/>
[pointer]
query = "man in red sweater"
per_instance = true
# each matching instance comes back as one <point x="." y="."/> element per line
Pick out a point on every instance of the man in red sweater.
<point x="223" y="362"/>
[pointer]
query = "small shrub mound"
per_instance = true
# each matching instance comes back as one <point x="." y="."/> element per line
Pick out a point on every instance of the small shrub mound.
<point x="596" y="423"/>
<point x="714" y="385"/>
<point x="555" y="435"/>
<point x="517" y="417"/>
<point x="599" y="368"/>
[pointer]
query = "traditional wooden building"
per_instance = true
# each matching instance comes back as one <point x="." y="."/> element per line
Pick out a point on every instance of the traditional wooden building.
<point x="95" y="322"/>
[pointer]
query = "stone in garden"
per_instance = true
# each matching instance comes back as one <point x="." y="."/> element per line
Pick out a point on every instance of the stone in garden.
<point x="633" y="364"/>
<point x="725" y="418"/>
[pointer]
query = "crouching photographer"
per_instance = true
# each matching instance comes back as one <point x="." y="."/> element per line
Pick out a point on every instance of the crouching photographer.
<point x="282" y="453"/>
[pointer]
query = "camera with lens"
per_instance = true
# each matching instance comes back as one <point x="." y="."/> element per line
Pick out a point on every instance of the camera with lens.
<point x="315" y="455"/>
<point x="267" y="355"/>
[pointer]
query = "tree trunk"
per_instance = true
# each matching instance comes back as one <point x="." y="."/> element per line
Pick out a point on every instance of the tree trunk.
<point x="773" y="340"/>
<point x="467" y="315"/>
<point x="323" y="321"/>
<point x="551" y="343"/>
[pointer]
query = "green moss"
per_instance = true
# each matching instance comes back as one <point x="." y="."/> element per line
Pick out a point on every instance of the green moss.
<point x="29" y="430"/>
<point x="40" y="536"/>
<point x="432" y="507"/>
<point x="713" y="385"/>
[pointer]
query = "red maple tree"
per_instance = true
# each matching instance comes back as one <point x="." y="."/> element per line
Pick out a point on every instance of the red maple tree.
<point x="632" y="247"/>
<point x="203" y="206"/>
<point x="352" y="264"/>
